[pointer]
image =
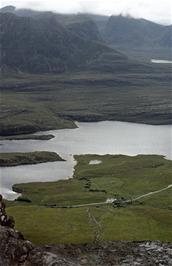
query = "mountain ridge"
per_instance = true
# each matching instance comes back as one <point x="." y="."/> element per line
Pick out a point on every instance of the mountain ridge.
<point x="42" y="45"/>
<point x="47" y="42"/>
<point x="131" y="32"/>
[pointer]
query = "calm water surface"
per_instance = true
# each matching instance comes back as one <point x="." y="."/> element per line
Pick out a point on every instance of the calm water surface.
<point x="89" y="138"/>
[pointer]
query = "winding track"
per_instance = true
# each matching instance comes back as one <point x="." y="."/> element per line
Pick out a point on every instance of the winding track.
<point x="152" y="193"/>
<point x="107" y="203"/>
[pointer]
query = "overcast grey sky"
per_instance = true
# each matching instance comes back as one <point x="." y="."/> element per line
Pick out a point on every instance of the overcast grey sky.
<point x="155" y="10"/>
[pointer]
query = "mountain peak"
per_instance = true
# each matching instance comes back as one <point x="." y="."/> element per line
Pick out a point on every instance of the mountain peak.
<point x="7" y="9"/>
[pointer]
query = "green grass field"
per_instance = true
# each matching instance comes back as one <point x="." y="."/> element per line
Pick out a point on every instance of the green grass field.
<point x="122" y="176"/>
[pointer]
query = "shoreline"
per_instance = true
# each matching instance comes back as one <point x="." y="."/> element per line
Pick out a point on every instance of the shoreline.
<point x="27" y="137"/>
<point x="31" y="134"/>
<point x="15" y="190"/>
<point x="139" y="176"/>
<point x="52" y="172"/>
<point x="28" y="158"/>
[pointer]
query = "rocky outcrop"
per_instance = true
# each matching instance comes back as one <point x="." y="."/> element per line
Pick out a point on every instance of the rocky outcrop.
<point x="13" y="248"/>
<point x="119" y="253"/>
<point x="15" y="251"/>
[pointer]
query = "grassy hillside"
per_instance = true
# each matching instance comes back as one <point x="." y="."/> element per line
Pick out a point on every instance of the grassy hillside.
<point x="118" y="176"/>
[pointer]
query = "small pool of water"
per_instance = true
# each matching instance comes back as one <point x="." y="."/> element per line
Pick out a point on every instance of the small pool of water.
<point x="158" y="61"/>
<point x="94" y="162"/>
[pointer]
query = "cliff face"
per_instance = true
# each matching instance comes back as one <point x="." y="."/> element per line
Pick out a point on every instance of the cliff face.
<point x="15" y="250"/>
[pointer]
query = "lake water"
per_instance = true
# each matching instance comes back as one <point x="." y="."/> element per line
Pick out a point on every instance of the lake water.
<point x="89" y="138"/>
<point x="158" y="61"/>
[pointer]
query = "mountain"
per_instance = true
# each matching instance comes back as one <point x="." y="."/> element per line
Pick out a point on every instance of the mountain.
<point x="46" y="42"/>
<point x="133" y="33"/>
<point x="8" y="9"/>
<point x="119" y="31"/>
<point x="53" y="43"/>
<point x="86" y="30"/>
<point x="138" y="39"/>
<point x="41" y="45"/>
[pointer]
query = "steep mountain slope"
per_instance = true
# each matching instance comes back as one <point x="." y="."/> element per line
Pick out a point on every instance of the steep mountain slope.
<point x="83" y="25"/>
<point x="47" y="42"/>
<point x="40" y="45"/>
<point x="87" y="30"/>
<point x="117" y="30"/>
<point x="130" y="32"/>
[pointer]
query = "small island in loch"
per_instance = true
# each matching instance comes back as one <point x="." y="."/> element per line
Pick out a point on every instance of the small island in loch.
<point x="22" y="158"/>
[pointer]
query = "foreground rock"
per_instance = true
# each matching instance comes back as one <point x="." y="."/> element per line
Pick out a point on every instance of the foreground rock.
<point x="15" y="250"/>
